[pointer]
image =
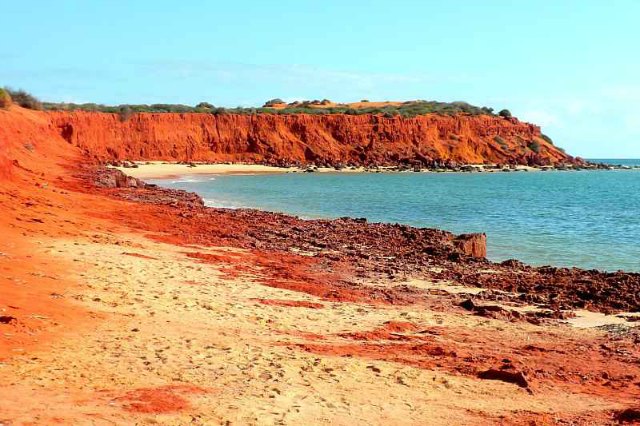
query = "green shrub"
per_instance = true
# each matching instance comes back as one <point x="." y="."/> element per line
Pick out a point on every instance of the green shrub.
<point x="534" y="146"/>
<point x="406" y="109"/>
<point x="500" y="141"/>
<point x="546" y="138"/>
<point x="125" y="113"/>
<point x="5" y="98"/>
<point x="204" y="105"/>
<point x="272" y="102"/>
<point x="24" y="99"/>
<point x="505" y="113"/>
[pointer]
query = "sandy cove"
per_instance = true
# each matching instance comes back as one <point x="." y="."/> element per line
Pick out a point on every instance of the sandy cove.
<point x="137" y="306"/>
<point x="159" y="169"/>
<point x="163" y="170"/>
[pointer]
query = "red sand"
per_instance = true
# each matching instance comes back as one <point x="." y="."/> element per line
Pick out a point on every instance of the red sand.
<point x="291" y="303"/>
<point x="164" y="399"/>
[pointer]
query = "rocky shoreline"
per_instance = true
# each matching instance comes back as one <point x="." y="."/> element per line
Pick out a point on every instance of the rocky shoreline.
<point x="383" y="251"/>
<point x="434" y="167"/>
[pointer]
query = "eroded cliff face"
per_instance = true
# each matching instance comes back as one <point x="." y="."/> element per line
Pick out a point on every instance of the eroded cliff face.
<point x="303" y="139"/>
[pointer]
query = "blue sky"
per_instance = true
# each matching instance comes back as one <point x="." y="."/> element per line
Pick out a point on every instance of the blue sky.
<point x="571" y="66"/>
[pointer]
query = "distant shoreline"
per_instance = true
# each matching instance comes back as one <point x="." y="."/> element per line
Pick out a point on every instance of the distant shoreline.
<point x="163" y="169"/>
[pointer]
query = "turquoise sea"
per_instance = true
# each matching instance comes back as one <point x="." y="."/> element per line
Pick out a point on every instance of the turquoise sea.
<point x="589" y="219"/>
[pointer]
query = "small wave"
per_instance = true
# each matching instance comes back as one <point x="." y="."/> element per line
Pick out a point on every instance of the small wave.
<point x="209" y="202"/>
<point x="186" y="180"/>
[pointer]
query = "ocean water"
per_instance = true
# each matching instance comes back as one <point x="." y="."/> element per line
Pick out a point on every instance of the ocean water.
<point x="589" y="219"/>
<point x="618" y="162"/>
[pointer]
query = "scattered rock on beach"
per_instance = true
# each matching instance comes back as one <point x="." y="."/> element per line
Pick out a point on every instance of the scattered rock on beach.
<point x="505" y="375"/>
<point x="112" y="178"/>
<point x="474" y="245"/>
<point x="630" y="415"/>
<point x="7" y="319"/>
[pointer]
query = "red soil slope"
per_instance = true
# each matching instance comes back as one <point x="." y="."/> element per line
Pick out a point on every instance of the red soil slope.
<point x="32" y="302"/>
<point x="302" y="138"/>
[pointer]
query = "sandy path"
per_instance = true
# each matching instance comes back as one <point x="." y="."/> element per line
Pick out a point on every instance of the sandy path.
<point x="179" y="343"/>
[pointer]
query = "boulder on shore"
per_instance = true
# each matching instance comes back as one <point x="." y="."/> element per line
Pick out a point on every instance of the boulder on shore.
<point x="474" y="245"/>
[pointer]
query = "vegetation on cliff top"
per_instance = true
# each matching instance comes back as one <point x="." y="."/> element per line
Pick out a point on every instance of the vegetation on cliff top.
<point x="23" y="98"/>
<point x="273" y="106"/>
<point x="406" y="109"/>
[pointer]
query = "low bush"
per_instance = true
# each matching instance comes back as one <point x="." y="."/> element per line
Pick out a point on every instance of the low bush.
<point x="24" y="99"/>
<point x="410" y="109"/>
<point x="500" y="141"/>
<point x="546" y="138"/>
<point x="534" y="146"/>
<point x="272" y="102"/>
<point x="204" y="105"/>
<point x="125" y="113"/>
<point x="5" y="98"/>
<point x="406" y="109"/>
<point x="505" y="113"/>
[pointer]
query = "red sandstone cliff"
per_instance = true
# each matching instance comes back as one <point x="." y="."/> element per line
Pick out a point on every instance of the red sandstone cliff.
<point x="320" y="139"/>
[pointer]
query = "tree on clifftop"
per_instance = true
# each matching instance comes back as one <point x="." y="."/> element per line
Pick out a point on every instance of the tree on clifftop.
<point x="505" y="113"/>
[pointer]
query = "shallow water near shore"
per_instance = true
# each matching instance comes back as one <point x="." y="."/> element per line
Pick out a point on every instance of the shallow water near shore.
<point x="588" y="219"/>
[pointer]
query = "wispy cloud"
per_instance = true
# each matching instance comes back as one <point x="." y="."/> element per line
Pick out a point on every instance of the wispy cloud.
<point x="279" y="72"/>
<point x="305" y="81"/>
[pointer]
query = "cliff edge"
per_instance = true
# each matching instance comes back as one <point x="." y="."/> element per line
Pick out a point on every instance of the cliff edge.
<point x="336" y="139"/>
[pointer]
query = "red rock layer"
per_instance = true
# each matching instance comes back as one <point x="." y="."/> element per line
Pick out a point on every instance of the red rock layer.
<point x="302" y="138"/>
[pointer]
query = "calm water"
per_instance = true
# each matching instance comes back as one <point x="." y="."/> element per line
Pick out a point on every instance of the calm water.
<point x="617" y="162"/>
<point x="589" y="219"/>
